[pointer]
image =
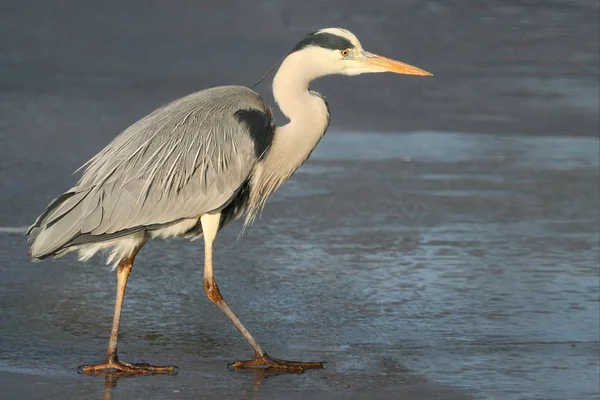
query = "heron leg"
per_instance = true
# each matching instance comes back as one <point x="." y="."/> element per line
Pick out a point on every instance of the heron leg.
<point x="112" y="362"/>
<point x="210" y="226"/>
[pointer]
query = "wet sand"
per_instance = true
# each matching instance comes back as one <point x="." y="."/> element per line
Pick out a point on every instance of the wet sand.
<point x="454" y="256"/>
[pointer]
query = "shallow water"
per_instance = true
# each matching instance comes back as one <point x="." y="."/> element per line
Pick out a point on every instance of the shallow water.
<point x="448" y="265"/>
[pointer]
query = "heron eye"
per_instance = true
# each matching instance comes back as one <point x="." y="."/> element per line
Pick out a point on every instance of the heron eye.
<point x="345" y="52"/>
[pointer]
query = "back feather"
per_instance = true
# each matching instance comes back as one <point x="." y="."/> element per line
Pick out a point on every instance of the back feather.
<point x="185" y="159"/>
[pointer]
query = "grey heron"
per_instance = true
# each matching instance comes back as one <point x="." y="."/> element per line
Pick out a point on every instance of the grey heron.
<point x="194" y="165"/>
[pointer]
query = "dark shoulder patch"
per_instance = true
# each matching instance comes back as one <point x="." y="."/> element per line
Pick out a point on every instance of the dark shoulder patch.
<point x="325" y="40"/>
<point x="260" y="128"/>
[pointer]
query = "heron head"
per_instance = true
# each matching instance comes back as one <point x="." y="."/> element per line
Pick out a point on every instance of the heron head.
<point x="338" y="51"/>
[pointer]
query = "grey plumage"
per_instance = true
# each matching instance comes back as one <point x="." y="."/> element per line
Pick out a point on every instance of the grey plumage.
<point x="193" y="166"/>
<point x="196" y="155"/>
<point x="188" y="158"/>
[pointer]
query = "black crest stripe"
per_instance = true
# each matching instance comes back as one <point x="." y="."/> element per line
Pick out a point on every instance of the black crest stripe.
<point x="325" y="40"/>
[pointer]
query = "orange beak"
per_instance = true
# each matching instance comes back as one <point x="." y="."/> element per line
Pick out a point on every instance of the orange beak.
<point x="384" y="64"/>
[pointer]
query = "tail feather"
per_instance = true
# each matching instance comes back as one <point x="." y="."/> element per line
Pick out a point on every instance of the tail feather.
<point x="51" y="207"/>
<point x="58" y="225"/>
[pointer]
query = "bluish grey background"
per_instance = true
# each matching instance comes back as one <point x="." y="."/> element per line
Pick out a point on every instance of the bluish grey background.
<point x="442" y="241"/>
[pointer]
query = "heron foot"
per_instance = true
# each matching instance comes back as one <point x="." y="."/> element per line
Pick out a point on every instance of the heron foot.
<point x="268" y="362"/>
<point x="126" y="368"/>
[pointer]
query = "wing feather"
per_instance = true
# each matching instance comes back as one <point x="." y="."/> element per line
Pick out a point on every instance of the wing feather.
<point x="185" y="159"/>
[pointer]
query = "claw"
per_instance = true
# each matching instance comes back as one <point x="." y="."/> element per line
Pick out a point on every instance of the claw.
<point x="275" y="363"/>
<point x="126" y="368"/>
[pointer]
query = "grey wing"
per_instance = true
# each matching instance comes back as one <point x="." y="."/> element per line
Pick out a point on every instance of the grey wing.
<point x="187" y="158"/>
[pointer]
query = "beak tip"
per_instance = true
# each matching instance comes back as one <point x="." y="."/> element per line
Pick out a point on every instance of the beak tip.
<point x="384" y="64"/>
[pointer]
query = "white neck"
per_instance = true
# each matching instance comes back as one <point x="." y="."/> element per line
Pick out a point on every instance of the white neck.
<point x="290" y="89"/>
<point x="306" y="111"/>
<point x="293" y="142"/>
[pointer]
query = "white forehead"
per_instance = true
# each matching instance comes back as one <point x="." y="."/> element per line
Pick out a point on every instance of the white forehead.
<point x="343" y="33"/>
